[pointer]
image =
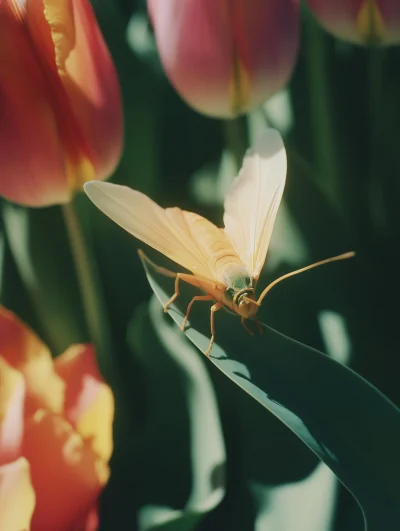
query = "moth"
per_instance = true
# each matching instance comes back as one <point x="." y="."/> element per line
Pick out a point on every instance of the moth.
<point x="225" y="263"/>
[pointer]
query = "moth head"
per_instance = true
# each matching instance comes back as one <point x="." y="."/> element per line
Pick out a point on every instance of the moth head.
<point x="245" y="303"/>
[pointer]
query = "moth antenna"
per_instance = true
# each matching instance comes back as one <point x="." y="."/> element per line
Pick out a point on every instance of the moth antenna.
<point x="343" y="256"/>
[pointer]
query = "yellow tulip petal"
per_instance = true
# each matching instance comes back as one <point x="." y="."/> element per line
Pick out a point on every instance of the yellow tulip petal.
<point x="17" y="497"/>
<point x="60" y="18"/>
<point x="12" y="395"/>
<point x="23" y="350"/>
<point x="89" y="402"/>
<point x="67" y="475"/>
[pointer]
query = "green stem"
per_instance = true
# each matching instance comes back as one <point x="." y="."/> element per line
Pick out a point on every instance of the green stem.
<point x="236" y="138"/>
<point x="87" y="273"/>
<point x="319" y="84"/>
<point x="377" y="205"/>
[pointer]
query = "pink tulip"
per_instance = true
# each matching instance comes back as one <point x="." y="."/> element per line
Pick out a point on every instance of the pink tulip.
<point x="360" y="21"/>
<point x="61" y="122"/>
<point x="227" y="56"/>
<point x="55" y="433"/>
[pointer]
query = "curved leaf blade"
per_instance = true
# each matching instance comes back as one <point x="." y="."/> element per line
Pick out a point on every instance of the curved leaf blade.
<point x="342" y="418"/>
<point x="182" y="428"/>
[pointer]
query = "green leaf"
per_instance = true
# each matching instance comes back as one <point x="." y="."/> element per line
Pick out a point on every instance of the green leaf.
<point x="307" y="505"/>
<point x="342" y="418"/>
<point x="181" y="453"/>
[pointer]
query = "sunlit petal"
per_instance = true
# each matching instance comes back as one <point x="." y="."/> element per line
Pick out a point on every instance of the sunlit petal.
<point x="17" y="497"/>
<point x="12" y="396"/>
<point x="67" y="477"/>
<point x="24" y="351"/>
<point x="89" y="402"/>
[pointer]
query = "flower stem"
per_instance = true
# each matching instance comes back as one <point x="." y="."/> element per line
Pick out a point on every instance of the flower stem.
<point x="87" y="274"/>
<point x="376" y="179"/>
<point x="236" y="138"/>
<point x="322" y="112"/>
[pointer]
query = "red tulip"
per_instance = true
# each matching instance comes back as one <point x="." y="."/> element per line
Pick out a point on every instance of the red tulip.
<point x="361" y="21"/>
<point x="61" y="121"/>
<point x="226" y="56"/>
<point x="55" y="433"/>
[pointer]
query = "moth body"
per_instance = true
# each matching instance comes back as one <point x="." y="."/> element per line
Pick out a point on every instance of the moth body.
<point x="213" y="243"/>
<point x="228" y="266"/>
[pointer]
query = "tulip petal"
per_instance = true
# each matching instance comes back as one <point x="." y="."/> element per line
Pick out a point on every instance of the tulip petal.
<point x="360" y="21"/>
<point x="93" y="88"/>
<point x="369" y="23"/>
<point x="388" y="12"/>
<point x="12" y="395"/>
<point x="193" y="38"/>
<point x="92" y="521"/>
<point x="66" y="474"/>
<point x="59" y="97"/>
<point x="77" y="54"/>
<point x="89" y="403"/>
<point x="267" y="56"/>
<point x="223" y="57"/>
<point x="32" y="158"/>
<point x="52" y="29"/>
<point x="17" y="497"/>
<point x="24" y="351"/>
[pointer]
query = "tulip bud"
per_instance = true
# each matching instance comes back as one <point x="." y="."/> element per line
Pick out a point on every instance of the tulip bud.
<point x="224" y="57"/>
<point x="360" y="21"/>
<point x="60" y="110"/>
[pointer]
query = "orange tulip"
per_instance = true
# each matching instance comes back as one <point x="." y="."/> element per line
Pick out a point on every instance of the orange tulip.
<point x="55" y="433"/>
<point x="360" y="21"/>
<point x="60" y="122"/>
<point x="226" y="56"/>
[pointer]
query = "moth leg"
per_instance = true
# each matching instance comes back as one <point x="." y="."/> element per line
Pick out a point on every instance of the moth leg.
<point x="197" y="298"/>
<point x="217" y="306"/>
<point x="161" y="270"/>
<point x="190" y="279"/>
<point x="260" y="328"/>
<point x="176" y="293"/>
<point x="243" y="321"/>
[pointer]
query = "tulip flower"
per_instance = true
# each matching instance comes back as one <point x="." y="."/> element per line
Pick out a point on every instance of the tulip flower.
<point x="60" y="106"/>
<point x="360" y="21"/>
<point x="227" y="56"/>
<point x="55" y="433"/>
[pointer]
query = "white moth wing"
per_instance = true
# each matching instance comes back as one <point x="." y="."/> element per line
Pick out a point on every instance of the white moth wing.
<point x="165" y="230"/>
<point x="253" y="200"/>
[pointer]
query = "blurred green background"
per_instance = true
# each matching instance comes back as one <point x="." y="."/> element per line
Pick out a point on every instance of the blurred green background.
<point x="185" y="436"/>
